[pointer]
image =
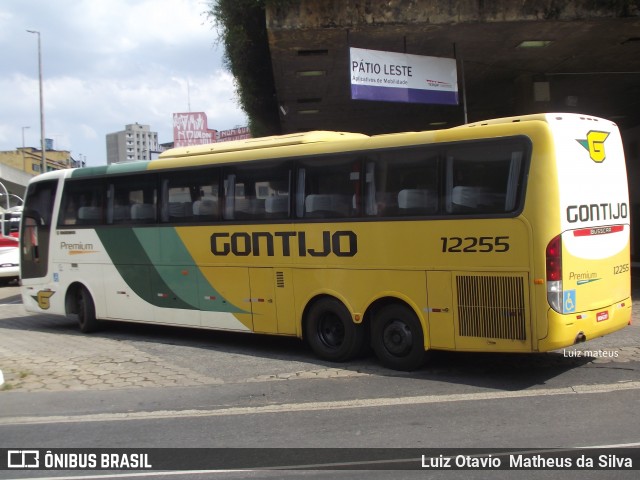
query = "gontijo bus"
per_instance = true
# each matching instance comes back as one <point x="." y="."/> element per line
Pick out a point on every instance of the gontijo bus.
<point x="509" y="235"/>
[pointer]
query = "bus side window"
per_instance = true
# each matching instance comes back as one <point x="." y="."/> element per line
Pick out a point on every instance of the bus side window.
<point x="257" y="192"/>
<point x="82" y="203"/>
<point x="132" y="199"/>
<point x="405" y="181"/>
<point x="190" y="196"/>
<point x="329" y="188"/>
<point x="484" y="177"/>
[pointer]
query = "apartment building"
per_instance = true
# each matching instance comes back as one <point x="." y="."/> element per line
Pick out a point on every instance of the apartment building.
<point x="135" y="142"/>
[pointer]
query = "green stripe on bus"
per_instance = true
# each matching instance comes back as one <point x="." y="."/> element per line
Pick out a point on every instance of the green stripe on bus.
<point x="126" y="252"/>
<point x="141" y="257"/>
<point x="159" y="243"/>
<point x="119" y="168"/>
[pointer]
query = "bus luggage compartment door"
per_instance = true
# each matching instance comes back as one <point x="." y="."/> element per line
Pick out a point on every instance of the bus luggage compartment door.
<point x="128" y="299"/>
<point x="440" y="310"/>
<point x="272" y="301"/>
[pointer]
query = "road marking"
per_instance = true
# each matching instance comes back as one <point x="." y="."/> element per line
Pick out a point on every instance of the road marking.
<point x="615" y="445"/>
<point x="315" y="406"/>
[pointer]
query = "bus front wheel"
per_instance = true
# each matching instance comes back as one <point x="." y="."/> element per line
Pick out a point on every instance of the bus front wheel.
<point x="331" y="332"/>
<point x="397" y="338"/>
<point x="86" y="311"/>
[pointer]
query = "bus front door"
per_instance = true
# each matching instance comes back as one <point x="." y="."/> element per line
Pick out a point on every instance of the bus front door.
<point x="36" y="229"/>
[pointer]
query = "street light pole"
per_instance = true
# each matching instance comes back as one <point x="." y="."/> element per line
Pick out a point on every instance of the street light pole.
<point x="44" y="158"/>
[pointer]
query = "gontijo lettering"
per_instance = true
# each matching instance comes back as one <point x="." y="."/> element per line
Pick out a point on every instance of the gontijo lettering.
<point x="342" y="243"/>
<point x="597" y="211"/>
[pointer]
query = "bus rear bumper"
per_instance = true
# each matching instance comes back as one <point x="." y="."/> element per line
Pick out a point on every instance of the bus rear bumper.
<point x="568" y="329"/>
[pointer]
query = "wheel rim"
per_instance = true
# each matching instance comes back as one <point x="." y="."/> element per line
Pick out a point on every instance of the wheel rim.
<point x="397" y="338"/>
<point x="331" y="331"/>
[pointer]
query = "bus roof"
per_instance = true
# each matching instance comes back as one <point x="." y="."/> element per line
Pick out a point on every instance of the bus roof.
<point x="313" y="142"/>
<point x="313" y="137"/>
<point x="319" y="136"/>
<point x="543" y="117"/>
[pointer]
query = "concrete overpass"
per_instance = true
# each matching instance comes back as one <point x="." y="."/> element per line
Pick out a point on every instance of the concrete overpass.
<point x="588" y="61"/>
<point x="15" y="182"/>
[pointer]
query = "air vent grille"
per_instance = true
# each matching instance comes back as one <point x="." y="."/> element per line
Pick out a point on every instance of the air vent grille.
<point x="491" y="307"/>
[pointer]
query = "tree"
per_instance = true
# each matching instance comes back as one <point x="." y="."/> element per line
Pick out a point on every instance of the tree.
<point x="242" y="30"/>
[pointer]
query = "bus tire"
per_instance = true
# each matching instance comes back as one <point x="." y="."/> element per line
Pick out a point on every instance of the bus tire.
<point x="331" y="332"/>
<point x="86" y="311"/>
<point x="397" y="338"/>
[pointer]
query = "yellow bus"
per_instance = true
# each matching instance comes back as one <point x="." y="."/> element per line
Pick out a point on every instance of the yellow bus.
<point x="510" y="235"/>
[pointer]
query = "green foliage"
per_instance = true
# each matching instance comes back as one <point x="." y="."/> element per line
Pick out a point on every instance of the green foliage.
<point x="242" y="30"/>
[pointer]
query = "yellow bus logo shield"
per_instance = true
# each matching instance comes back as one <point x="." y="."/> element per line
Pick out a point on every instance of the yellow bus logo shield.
<point x="43" y="299"/>
<point x="594" y="144"/>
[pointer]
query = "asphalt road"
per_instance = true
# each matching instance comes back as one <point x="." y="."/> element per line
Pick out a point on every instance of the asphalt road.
<point x="141" y="386"/>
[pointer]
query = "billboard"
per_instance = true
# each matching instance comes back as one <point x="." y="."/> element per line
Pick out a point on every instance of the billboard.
<point x="191" y="129"/>
<point x="400" y="77"/>
<point x="238" y="133"/>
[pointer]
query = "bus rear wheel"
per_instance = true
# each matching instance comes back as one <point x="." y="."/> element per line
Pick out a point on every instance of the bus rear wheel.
<point x="331" y="332"/>
<point x="86" y="311"/>
<point x="397" y="338"/>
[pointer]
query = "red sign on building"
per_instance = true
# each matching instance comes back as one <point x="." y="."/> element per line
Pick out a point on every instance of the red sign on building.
<point x="238" y="133"/>
<point x="191" y="129"/>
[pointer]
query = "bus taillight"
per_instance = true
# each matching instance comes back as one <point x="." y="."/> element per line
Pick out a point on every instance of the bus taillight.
<point x="554" y="273"/>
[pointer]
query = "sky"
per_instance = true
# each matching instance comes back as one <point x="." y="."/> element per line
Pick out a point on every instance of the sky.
<point x="107" y="64"/>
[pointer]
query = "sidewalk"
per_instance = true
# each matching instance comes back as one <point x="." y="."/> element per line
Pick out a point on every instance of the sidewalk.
<point x="48" y="353"/>
<point x="33" y="360"/>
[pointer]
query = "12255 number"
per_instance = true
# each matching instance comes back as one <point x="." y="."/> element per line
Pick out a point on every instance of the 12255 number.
<point x="475" y="244"/>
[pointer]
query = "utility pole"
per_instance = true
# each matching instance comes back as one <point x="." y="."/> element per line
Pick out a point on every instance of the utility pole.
<point x="42" y="142"/>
